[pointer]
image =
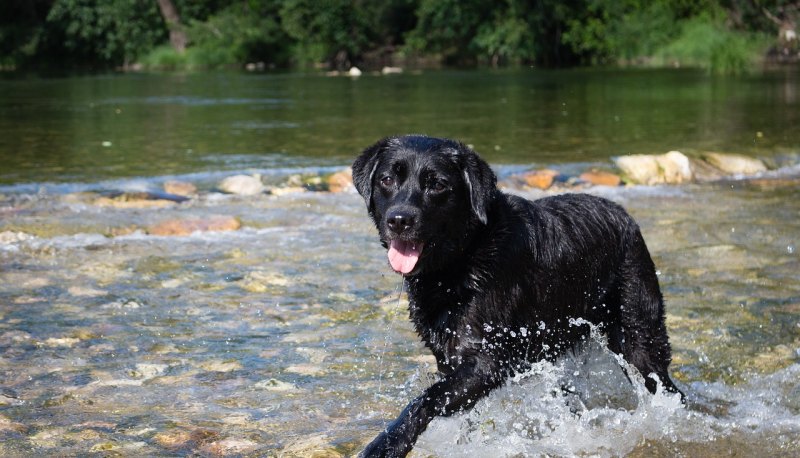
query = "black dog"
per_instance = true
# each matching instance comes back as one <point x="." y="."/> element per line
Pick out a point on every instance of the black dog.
<point x="493" y="279"/>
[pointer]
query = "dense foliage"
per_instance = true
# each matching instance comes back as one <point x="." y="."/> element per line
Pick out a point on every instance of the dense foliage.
<point x="719" y="34"/>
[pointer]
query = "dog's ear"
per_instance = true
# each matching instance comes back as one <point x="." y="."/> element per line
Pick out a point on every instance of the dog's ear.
<point x="364" y="170"/>
<point x="480" y="180"/>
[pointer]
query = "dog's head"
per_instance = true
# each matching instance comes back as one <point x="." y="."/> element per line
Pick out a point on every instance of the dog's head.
<point x="426" y="196"/>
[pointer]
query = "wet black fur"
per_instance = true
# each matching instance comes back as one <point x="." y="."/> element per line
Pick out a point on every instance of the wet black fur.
<point x="500" y="277"/>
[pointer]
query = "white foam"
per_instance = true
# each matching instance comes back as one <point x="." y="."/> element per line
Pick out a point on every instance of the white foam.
<point x="607" y="416"/>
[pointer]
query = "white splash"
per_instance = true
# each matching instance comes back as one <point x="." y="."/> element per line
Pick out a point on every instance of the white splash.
<point x="583" y="405"/>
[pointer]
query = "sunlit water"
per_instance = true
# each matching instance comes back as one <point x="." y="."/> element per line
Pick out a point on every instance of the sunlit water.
<point x="289" y="336"/>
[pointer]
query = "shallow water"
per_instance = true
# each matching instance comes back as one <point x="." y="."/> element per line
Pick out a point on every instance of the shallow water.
<point x="289" y="336"/>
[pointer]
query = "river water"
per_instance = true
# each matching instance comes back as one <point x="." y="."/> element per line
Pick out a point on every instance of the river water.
<point x="289" y="336"/>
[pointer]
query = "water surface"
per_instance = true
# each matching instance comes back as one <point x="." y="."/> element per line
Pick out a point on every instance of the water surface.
<point x="289" y="335"/>
<point x="88" y="129"/>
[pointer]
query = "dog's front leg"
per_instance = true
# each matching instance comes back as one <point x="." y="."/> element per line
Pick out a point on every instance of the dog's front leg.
<point x="457" y="391"/>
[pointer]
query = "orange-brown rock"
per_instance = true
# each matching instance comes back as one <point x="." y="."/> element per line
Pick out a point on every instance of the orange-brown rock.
<point x="189" y="226"/>
<point x="601" y="178"/>
<point x="540" y="179"/>
<point x="340" y="181"/>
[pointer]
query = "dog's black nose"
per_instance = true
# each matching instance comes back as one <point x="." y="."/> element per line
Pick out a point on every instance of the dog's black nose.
<point x="399" y="221"/>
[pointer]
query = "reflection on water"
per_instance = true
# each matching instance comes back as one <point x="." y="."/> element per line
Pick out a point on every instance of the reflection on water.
<point x="91" y="129"/>
<point x="266" y="339"/>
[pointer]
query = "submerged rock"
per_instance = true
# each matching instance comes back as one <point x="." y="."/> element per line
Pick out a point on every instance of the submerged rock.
<point x="121" y="231"/>
<point x="147" y="371"/>
<point x="13" y="237"/>
<point x="57" y="342"/>
<point x="15" y="337"/>
<point x="173" y="439"/>
<point x="182" y="227"/>
<point x="313" y="446"/>
<point x="9" y="397"/>
<point x="308" y="182"/>
<point x="92" y="435"/>
<point x="216" y="365"/>
<point x="181" y="438"/>
<point x="772" y="359"/>
<point x="180" y="188"/>
<point x="229" y="446"/>
<point x="305" y="369"/>
<point x="735" y="164"/>
<point x="601" y="178"/>
<point x="138" y="200"/>
<point x="774" y="183"/>
<point x="48" y="437"/>
<point x="263" y="281"/>
<point x="242" y="185"/>
<point x="7" y="425"/>
<point x="286" y="190"/>
<point x="275" y="385"/>
<point x="670" y="168"/>
<point x="85" y="291"/>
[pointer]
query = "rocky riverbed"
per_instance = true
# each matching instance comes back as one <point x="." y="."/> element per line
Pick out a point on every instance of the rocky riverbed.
<point x="223" y="316"/>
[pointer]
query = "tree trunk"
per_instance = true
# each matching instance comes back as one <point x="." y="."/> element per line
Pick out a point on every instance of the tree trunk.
<point x="177" y="36"/>
<point x="786" y="19"/>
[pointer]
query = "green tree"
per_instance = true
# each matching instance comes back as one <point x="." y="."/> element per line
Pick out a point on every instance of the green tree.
<point x="722" y="34"/>
<point x="513" y="31"/>
<point x="448" y="28"/>
<point x="507" y="36"/>
<point x="103" y="32"/>
<point x="333" y="31"/>
<point x="246" y="31"/>
<point x="21" y="29"/>
<point x="609" y="30"/>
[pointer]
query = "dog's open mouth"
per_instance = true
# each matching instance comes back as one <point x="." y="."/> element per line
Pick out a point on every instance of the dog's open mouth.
<point x="404" y="254"/>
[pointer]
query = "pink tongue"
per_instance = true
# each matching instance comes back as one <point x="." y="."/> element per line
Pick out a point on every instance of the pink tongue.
<point x="403" y="255"/>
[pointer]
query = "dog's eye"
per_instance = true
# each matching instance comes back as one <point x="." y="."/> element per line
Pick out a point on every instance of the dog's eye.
<point x="387" y="181"/>
<point x="437" y="186"/>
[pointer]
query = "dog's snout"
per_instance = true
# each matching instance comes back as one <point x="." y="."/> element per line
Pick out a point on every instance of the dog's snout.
<point x="400" y="221"/>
